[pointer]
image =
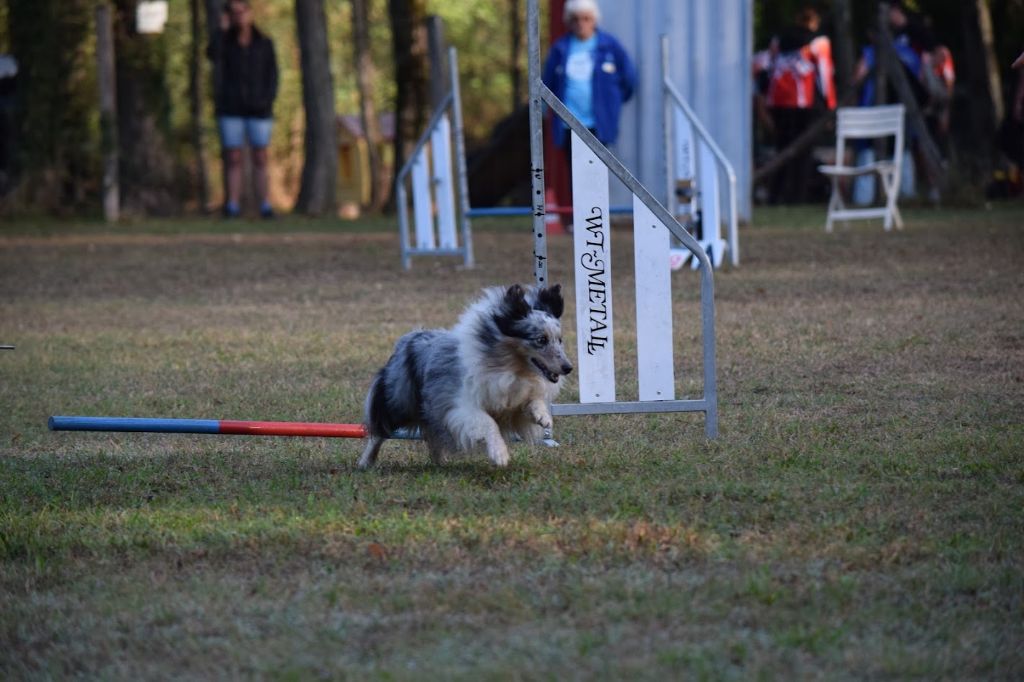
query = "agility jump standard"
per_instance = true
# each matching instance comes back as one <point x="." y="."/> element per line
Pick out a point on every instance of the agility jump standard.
<point x="222" y="427"/>
<point x="653" y="226"/>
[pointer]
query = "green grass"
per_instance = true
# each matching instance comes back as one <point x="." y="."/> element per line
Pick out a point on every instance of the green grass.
<point x="860" y="515"/>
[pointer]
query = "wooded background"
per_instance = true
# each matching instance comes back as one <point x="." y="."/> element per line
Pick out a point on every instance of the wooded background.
<point x="166" y="135"/>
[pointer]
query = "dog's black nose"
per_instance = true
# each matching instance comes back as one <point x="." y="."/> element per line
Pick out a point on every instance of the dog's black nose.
<point x="566" y="368"/>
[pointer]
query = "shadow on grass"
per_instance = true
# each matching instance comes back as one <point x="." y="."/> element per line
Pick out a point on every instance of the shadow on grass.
<point x="480" y="472"/>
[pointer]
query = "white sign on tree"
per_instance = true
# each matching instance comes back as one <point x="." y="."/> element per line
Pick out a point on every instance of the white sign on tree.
<point x="151" y="16"/>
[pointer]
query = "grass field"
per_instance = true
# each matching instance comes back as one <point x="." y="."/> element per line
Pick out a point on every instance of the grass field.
<point x="860" y="516"/>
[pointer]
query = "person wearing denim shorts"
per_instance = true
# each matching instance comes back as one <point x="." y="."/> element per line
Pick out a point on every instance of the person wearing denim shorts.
<point x="245" y="86"/>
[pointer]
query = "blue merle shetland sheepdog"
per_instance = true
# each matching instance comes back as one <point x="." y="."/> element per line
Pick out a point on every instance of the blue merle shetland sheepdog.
<point x="477" y="385"/>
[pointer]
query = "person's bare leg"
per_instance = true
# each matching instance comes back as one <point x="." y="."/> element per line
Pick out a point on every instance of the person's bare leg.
<point x="233" y="159"/>
<point x="260" y="175"/>
<point x="260" y="178"/>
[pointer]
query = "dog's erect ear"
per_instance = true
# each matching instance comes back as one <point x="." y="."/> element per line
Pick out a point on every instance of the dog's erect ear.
<point x="515" y="299"/>
<point x="513" y="308"/>
<point x="550" y="301"/>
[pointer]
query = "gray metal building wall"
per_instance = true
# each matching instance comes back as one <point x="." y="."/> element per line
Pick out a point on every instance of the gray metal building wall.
<point x="711" y="48"/>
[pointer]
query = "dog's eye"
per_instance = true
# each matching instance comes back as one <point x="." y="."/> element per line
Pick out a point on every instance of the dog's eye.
<point x="542" y="340"/>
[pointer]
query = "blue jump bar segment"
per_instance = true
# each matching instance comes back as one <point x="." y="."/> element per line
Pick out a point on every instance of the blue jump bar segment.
<point x="502" y="211"/>
<point x="496" y="211"/>
<point x="140" y="424"/>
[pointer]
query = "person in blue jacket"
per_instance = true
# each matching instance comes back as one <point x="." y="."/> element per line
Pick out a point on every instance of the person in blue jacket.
<point x="589" y="70"/>
<point x="591" y="73"/>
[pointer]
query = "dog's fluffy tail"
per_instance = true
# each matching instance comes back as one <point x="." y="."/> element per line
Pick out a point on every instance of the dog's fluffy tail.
<point x="376" y="414"/>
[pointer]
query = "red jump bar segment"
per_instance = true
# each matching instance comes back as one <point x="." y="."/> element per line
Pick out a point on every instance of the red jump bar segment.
<point x="255" y="428"/>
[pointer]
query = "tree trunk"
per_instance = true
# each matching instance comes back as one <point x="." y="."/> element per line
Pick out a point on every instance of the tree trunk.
<point x="992" y="71"/>
<point x="366" y="78"/>
<point x="195" y="96"/>
<point x="842" y="21"/>
<point x="409" y="45"/>
<point x="143" y="104"/>
<point x="214" y="8"/>
<point x="317" y="194"/>
<point x="437" y="58"/>
<point x="105" y="61"/>
<point x="516" y="21"/>
<point x="889" y="65"/>
<point x="980" y="43"/>
<point x="981" y="76"/>
<point x="213" y="11"/>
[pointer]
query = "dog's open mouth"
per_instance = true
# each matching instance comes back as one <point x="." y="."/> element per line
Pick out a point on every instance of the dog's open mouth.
<point x="548" y="374"/>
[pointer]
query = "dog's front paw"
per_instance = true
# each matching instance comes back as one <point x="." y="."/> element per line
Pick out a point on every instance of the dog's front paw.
<point x="540" y="415"/>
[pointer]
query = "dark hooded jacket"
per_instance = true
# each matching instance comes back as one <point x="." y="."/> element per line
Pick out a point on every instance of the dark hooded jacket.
<point x="244" y="78"/>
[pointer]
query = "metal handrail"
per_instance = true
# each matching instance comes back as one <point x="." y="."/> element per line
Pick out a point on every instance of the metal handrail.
<point x="441" y="110"/>
<point x="702" y="132"/>
<point x="623" y="174"/>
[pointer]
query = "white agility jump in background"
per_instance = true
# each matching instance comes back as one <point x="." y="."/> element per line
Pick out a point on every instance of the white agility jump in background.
<point x="437" y="171"/>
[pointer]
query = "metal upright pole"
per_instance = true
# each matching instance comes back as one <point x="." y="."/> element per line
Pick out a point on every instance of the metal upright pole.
<point x="671" y="200"/>
<point x="540" y="245"/>
<point x="460" y="158"/>
<point x="402" y="207"/>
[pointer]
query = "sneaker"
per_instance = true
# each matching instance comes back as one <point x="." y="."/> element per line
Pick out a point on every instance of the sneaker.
<point x="231" y="211"/>
<point x="266" y="212"/>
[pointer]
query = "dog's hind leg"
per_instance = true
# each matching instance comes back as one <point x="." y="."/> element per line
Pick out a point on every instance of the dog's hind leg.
<point x="434" y="447"/>
<point x="369" y="456"/>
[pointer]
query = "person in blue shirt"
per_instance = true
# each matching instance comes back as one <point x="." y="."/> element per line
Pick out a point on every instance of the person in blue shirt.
<point x="589" y="70"/>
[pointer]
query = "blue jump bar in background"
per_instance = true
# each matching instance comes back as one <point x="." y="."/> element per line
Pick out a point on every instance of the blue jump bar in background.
<point x="498" y="211"/>
<point x="502" y="211"/>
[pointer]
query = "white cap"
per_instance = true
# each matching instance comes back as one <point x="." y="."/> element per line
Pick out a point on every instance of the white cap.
<point x="574" y="7"/>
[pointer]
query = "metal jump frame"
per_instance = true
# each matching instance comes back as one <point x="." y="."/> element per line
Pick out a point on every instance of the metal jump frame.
<point x="540" y="95"/>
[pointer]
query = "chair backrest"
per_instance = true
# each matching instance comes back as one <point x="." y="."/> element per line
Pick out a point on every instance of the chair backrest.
<point x="870" y="122"/>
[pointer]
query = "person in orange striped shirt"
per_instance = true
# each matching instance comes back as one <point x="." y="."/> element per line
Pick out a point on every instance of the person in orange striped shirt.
<point x="800" y="82"/>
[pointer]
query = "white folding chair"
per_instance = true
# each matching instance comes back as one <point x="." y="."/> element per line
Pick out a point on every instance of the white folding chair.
<point x="867" y="123"/>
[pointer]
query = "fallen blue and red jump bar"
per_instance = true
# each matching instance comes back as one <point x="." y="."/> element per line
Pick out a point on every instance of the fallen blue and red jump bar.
<point x="223" y="427"/>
